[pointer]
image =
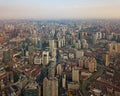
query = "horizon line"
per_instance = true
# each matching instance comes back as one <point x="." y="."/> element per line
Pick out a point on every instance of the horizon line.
<point x="60" y="19"/>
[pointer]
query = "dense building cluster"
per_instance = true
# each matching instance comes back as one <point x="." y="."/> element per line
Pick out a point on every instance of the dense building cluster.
<point x="59" y="58"/>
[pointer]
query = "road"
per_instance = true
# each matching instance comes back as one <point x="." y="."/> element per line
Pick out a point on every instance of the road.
<point x="85" y="83"/>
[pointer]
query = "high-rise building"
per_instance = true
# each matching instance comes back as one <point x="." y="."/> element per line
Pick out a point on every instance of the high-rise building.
<point x="35" y="37"/>
<point x="31" y="53"/>
<point x="81" y="62"/>
<point x="5" y="78"/>
<point x="24" y="47"/>
<point x="45" y="57"/>
<point x="32" y="89"/>
<point x="37" y="60"/>
<point x="84" y="44"/>
<point x="64" y="80"/>
<point x="92" y="64"/>
<point x="94" y="38"/>
<point x="89" y="63"/>
<point x="39" y="44"/>
<point x="51" y="70"/>
<point x="59" y="69"/>
<point x="106" y="58"/>
<point x="80" y="36"/>
<point x="6" y="55"/>
<point x="59" y="43"/>
<point x="64" y="41"/>
<point x="75" y="74"/>
<point x="51" y="45"/>
<point x="50" y="87"/>
<point x="78" y="44"/>
<point x="54" y="53"/>
<point x="73" y="86"/>
<point x="98" y="35"/>
<point x="114" y="47"/>
<point x="31" y="49"/>
<point x="9" y="27"/>
<point x="2" y="85"/>
<point x="79" y="53"/>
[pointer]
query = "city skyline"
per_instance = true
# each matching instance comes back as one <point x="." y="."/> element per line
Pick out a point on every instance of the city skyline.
<point x="59" y="9"/>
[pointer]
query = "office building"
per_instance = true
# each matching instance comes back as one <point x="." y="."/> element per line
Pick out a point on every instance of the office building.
<point x="59" y="69"/>
<point x="75" y="74"/>
<point x="106" y="58"/>
<point x="51" y="70"/>
<point x="45" y="57"/>
<point x="32" y="89"/>
<point x="50" y="87"/>
<point x="79" y="53"/>
<point x="51" y="45"/>
<point x="6" y="55"/>
<point x="64" y="80"/>
<point x="38" y="60"/>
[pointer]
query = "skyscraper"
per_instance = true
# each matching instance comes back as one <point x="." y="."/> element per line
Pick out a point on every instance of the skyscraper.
<point x="106" y="58"/>
<point x="51" y="45"/>
<point x="52" y="48"/>
<point x="39" y="44"/>
<point x="50" y="87"/>
<point x="63" y="80"/>
<point x="59" y="69"/>
<point x="6" y="55"/>
<point x="51" y="70"/>
<point x="92" y="64"/>
<point x="75" y="74"/>
<point x="79" y="53"/>
<point x="32" y="89"/>
<point x="45" y="57"/>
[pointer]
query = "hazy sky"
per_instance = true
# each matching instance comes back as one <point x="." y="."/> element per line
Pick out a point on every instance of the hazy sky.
<point x="58" y="9"/>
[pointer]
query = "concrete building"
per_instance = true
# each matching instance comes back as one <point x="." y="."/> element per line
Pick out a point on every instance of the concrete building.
<point x="50" y="87"/>
<point x="106" y="58"/>
<point x="51" y="45"/>
<point x="39" y="43"/>
<point x="31" y="50"/>
<point x="64" y="80"/>
<point x="89" y="63"/>
<point x="96" y="92"/>
<point x="32" y="89"/>
<point x="5" y="78"/>
<point x="92" y="65"/>
<point x="78" y="44"/>
<point x="51" y="70"/>
<point x="52" y="48"/>
<point x="114" y="47"/>
<point x="84" y="44"/>
<point x="45" y="57"/>
<point x="38" y="60"/>
<point x="61" y="42"/>
<point x="79" y="53"/>
<point x="94" y="39"/>
<point x="6" y="55"/>
<point x="73" y="86"/>
<point x="71" y="55"/>
<point x="31" y="53"/>
<point x="98" y="35"/>
<point x="75" y="74"/>
<point x="59" y="69"/>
